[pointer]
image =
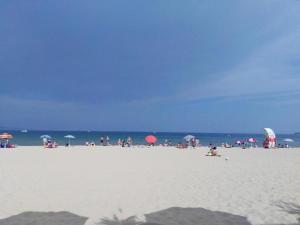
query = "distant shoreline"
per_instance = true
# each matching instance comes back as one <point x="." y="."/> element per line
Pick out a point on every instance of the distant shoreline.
<point x="161" y="147"/>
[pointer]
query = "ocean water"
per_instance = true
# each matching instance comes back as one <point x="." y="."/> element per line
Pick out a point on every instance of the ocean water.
<point x="33" y="137"/>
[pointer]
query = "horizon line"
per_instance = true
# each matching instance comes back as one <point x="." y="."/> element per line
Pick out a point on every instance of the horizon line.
<point x="135" y="131"/>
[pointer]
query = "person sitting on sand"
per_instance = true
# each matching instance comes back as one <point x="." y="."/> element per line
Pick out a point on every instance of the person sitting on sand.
<point x="49" y="144"/>
<point x="213" y="152"/>
<point x="181" y="146"/>
<point x="227" y="145"/>
<point x="10" y="145"/>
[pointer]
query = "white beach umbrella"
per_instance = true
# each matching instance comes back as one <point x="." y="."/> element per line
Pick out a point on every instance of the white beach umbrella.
<point x="288" y="140"/>
<point x="270" y="133"/>
<point x="270" y="138"/>
<point x="69" y="136"/>
<point x="189" y="137"/>
<point x="45" y="136"/>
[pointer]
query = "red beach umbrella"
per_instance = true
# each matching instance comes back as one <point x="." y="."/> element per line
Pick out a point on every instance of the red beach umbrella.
<point x="151" y="139"/>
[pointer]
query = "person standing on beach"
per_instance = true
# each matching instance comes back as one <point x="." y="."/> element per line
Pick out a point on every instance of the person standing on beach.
<point x="119" y="142"/>
<point x="166" y="142"/>
<point x="129" y="141"/>
<point x="45" y="141"/>
<point x="102" y="141"/>
<point x="107" y="140"/>
<point x="197" y="142"/>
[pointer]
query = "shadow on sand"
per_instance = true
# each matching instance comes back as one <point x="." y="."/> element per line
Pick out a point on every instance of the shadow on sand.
<point x="44" y="218"/>
<point x="181" y="216"/>
<point x="196" y="216"/>
<point x="171" y="216"/>
<point x="290" y="208"/>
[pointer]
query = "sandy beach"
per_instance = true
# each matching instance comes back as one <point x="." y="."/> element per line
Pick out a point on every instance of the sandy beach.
<point x="98" y="182"/>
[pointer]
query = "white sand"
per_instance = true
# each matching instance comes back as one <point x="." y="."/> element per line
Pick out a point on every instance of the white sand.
<point x="98" y="181"/>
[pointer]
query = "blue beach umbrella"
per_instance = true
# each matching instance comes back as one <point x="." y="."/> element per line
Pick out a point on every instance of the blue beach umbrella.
<point x="288" y="140"/>
<point x="69" y="136"/>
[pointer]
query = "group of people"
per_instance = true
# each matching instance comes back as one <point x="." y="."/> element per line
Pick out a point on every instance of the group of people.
<point x="90" y="143"/>
<point x="128" y="142"/>
<point x="106" y="141"/>
<point x="48" y="143"/>
<point x="6" y="144"/>
<point x="283" y="146"/>
<point x="193" y="142"/>
<point x="125" y="143"/>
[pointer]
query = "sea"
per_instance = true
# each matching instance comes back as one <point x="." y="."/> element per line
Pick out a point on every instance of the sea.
<point x="32" y="138"/>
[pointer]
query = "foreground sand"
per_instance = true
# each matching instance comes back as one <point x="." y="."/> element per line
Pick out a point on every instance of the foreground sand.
<point x="99" y="181"/>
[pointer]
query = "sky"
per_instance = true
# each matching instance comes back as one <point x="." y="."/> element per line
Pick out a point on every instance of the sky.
<point x="152" y="65"/>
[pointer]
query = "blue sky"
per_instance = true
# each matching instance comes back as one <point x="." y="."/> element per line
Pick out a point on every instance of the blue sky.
<point x="198" y="65"/>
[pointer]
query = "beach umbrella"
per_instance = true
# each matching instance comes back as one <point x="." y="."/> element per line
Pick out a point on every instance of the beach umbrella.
<point x="270" y="138"/>
<point x="252" y="140"/>
<point x="151" y="139"/>
<point x="189" y="137"/>
<point x="69" y="136"/>
<point x="288" y="140"/>
<point x="6" y="136"/>
<point x="45" y="136"/>
<point x="238" y="142"/>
